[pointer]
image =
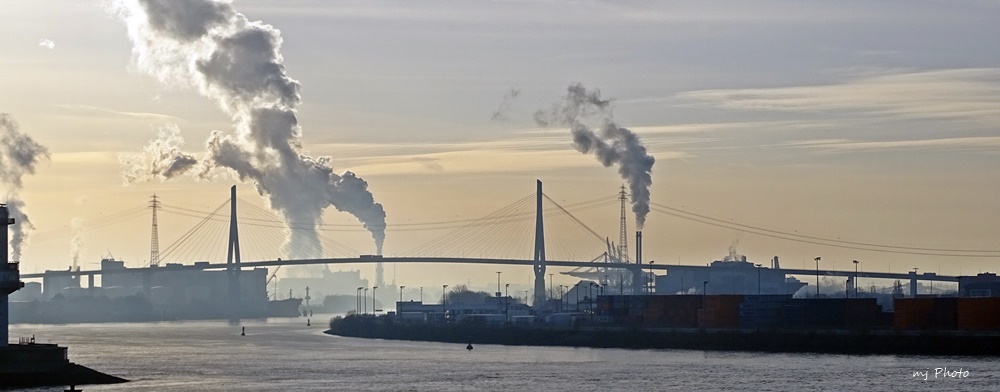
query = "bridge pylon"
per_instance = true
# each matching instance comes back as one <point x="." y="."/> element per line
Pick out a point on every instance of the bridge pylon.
<point x="539" y="250"/>
<point x="233" y="259"/>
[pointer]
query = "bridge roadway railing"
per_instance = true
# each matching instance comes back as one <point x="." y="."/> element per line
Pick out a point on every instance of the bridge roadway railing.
<point x="466" y="260"/>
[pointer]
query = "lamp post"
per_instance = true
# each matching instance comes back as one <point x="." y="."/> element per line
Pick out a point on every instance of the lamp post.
<point x="649" y="286"/>
<point x="506" y="302"/>
<point x="817" y="275"/>
<point x="551" y="293"/>
<point x="444" y="300"/>
<point x="401" y="293"/>
<point x="357" y="299"/>
<point x="374" y="308"/>
<point x="847" y="288"/>
<point x="498" y="284"/>
<point x="365" y="302"/>
<point x="421" y="295"/>
<point x="758" y="278"/>
<point x="856" y="278"/>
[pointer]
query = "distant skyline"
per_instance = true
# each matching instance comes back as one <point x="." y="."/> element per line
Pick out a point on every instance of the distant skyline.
<point x="870" y="122"/>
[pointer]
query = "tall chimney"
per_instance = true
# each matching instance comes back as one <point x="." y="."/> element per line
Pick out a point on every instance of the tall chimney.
<point x="638" y="247"/>
<point x="9" y="277"/>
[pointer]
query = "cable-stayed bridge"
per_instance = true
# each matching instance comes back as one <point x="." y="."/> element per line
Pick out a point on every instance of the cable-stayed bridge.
<point x="533" y="231"/>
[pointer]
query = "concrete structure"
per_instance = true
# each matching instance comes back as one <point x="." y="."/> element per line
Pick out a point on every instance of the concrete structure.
<point x="10" y="280"/>
<point x="981" y="285"/>
<point x="57" y="284"/>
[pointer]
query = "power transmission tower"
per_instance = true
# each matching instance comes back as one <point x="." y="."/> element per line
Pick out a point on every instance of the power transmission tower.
<point x="623" y="232"/>
<point x="154" y="242"/>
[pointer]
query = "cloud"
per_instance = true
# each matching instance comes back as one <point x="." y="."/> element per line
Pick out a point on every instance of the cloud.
<point x="119" y="113"/>
<point x="984" y="143"/>
<point x="47" y="43"/>
<point x="532" y="151"/>
<point x="950" y="94"/>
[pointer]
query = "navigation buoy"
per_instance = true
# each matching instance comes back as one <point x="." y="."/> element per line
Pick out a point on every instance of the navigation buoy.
<point x="244" y="332"/>
<point x="308" y="324"/>
<point x="469" y="347"/>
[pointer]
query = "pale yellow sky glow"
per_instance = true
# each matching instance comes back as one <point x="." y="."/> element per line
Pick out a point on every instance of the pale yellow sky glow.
<point x="764" y="115"/>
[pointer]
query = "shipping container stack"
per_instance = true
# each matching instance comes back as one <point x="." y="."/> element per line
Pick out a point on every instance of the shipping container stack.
<point x="618" y="309"/>
<point x="833" y="313"/>
<point x="864" y="313"/>
<point x="913" y="314"/>
<point x="979" y="314"/>
<point x="762" y="311"/>
<point x="674" y="311"/>
<point x="720" y="311"/>
<point x="744" y="311"/>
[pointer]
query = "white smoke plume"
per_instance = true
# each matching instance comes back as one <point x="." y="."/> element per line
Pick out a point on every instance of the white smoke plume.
<point x="208" y="46"/>
<point x="19" y="155"/>
<point x="47" y="43"/>
<point x="76" y="243"/>
<point x="162" y="158"/>
<point x="611" y="145"/>
<point x="502" y="112"/>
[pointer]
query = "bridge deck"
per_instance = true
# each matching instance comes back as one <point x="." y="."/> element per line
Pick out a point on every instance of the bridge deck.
<point x="459" y="260"/>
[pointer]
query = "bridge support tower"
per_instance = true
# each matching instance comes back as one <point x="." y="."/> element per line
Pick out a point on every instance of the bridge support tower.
<point x="540" y="296"/>
<point x="233" y="259"/>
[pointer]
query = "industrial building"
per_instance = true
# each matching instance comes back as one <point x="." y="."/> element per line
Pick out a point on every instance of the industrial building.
<point x="981" y="285"/>
<point x="173" y="291"/>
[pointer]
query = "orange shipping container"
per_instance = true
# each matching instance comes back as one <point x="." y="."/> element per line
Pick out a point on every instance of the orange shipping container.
<point x="979" y="314"/>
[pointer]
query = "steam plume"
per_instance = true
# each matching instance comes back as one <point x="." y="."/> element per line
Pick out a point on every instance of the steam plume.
<point x="208" y="46"/>
<point x="501" y="114"/>
<point x="76" y="244"/>
<point x="19" y="155"/>
<point x="162" y="158"/>
<point x="612" y="145"/>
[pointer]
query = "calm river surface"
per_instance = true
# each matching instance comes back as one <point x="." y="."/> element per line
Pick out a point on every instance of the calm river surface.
<point x="285" y="354"/>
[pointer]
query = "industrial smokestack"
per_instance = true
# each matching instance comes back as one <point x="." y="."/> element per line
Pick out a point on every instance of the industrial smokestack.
<point x="638" y="247"/>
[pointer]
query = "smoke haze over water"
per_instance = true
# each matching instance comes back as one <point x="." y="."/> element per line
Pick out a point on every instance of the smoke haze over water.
<point x="210" y="47"/>
<point x="19" y="155"/>
<point x="611" y="144"/>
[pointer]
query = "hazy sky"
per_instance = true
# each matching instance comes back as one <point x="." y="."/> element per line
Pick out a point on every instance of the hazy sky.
<point x="870" y="122"/>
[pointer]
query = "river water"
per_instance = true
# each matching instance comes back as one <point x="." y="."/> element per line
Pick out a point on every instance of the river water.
<point x="285" y="354"/>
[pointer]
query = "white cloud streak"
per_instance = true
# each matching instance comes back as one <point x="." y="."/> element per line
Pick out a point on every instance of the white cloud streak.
<point x="968" y="95"/>
<point x="984" y="143"/>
